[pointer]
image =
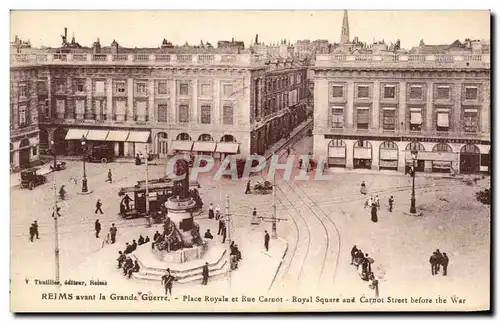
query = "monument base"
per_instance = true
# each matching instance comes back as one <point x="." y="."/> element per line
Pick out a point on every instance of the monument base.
<point x="181" y="255"/>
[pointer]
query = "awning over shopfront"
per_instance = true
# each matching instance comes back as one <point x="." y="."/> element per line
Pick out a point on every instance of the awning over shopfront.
<point x="76" y="134"/>
<point x="227" y="147"/>
<point x="97" y="135"/>
<point x="117" y="136"/>
<point x="182" y="145"/>
<point x="138" y="136"/>
<point x="201" y="146"/>
<point x="433" y="156"/>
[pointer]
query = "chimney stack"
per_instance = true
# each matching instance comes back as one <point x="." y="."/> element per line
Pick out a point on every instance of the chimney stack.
<point x="66" y="32"/>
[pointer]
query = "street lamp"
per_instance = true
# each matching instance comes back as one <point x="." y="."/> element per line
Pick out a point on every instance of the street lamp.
<point x="84" y="149"/>
<point x="414" y="154"/>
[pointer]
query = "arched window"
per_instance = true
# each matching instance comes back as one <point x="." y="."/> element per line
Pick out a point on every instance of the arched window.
<point x="205" y="137"/>
<point x="470" y="149"/>
<point x="229" y="138"/>
<point x="415" y="146"/>
<point x="362" y="144"/>
<point x="183" y="137"/>
<point x="389" y="145"/>
<point x="337" y="143"/>
<point x="442" y="147"/>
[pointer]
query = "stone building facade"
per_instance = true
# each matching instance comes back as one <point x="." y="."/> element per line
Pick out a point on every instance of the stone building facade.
<point x="216" y="104"/>
<point x="372" y="110"/>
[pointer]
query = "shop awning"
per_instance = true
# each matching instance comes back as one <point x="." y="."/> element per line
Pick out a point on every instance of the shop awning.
<point x="138" y="136"/>
<point x="227" y="147"/>
<point x="76" y="134"/>
<point x="202" y="146"/>
<point x="182" y="145"/>
<point x="97" y="135"/>
<point x="117" y="136"/>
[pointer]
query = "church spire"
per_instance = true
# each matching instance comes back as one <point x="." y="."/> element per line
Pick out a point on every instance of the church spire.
<point x="344" y="37"/>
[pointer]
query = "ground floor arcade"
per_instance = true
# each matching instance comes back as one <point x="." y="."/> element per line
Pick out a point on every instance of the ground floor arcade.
<point x="24" y="150"/>
<point x="434" y="155"/>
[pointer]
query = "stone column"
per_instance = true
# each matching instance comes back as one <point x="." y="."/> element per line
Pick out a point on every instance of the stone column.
<point x="151" y="101"/>
<point x="375" y="154"/>
<point x="70" y="101"/>
<point x="402" y="108"/>
<point x="172" y="103"/>
<point x="218" y="105"/>
<point x="427" y="166"/>
<point x="349" y="157"/>
<point x="109" y="102"/>
<point x="130" y="100"/>
<point x="89" y="109"/>
<point x="456" y="108"/>
<point x="194" y="108"/>
<point x="376" y="105"/>
<point x="484" y="112"/>
<point x="402" y="155"/>
<point x="349" y="114"/>
<point x="429" y="108"/>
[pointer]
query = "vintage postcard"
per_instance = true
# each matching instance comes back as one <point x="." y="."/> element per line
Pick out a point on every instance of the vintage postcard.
<point x="250" y="161"/>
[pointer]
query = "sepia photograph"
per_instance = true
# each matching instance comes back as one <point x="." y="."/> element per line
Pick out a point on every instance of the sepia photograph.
<point x="250" y="161"/>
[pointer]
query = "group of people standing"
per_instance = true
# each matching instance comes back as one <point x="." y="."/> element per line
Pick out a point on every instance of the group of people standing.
<point x="374" y="203"/>
<point x="438" y="260"/>
<point x="34" y="231"/>
<point x="215" y="214"/>
<point x="363" y="263"/>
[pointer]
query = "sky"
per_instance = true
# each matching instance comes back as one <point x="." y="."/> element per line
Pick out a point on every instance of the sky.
<point x="148" y="28"/>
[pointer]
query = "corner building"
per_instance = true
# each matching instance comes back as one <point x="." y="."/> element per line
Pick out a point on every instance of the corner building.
<point x="199" y="103"/>
<point x="371" y="110"/>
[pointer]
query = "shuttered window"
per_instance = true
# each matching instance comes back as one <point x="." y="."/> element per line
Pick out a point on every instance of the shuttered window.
<point x="183" y="113"/>
<point x="363" y="118"/>
<point x="227" y="115"/>
<point x="389" y="119"/>
<point x="337" y="117"/>
<point x="162" y="112"/>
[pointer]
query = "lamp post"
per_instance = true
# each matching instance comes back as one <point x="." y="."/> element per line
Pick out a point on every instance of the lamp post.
<point x="414" y="154"/>
<point x="84" y="149"/>
<point x="53" y="150"/>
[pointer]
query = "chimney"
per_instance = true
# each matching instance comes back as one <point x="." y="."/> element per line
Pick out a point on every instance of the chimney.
<point x="232" y="39"/>
<point x="66" y="32"/>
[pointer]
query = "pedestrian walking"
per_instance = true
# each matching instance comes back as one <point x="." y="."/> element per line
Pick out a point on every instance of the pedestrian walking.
<point x="221" y="226"/>
<point x="374" y="216"/>
<point x="97" y="227"/>
<point x="247" y="190"/>
<point x="32" y="232"/>
<point x="110" y="177"/>
<point x="126" y="201"/>
<point x="287" y="152"/>
<point x="205" y="274"/>
<point x="112" y="232"/>
<point x="377" y="201"/>
<point x="439" y="259"/>
<point x="217" y="212"/>
<point x="224" y="232"/>
<point x="210" y="211"/>
<point x="167" y="280"/>
<point x="444" y="263"/>
<point x="433" y="262"/>
<point x="391" y="203"/>
<point x="35" y="227"/>
<point x="255" y="220"/>
<point x="354" y="252"/>
<point x="98" y="206"/>
<point x="266" y="240"/>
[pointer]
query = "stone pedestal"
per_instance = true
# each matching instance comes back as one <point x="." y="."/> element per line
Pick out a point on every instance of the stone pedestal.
<point x="181" y="255"/>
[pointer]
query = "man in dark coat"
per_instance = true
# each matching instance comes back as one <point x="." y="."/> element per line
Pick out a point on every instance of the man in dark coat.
<point x="205" y="274"/>
<point x="224" y="232"/>
<point x="121" y="258"/>
<point x="266" y="240"/>
<point x="433" y="262"/>
<point x="439" y="259"/>
<point x="110" y="177"/>
<point x="126" y="200"/>
<point x="156" y="235"/>
<point x="128" y="264"/>
<point x="97" y="227"/>
<point x="444" y="263"/>
<point x="135" y="268"/>
<point x="134" y="245"/>
<point x="112" y="233"/>
<point x="35" y="226"/>
<point x="140" y="241"/>
<point x="374" y="212"/>
<point x="167" y="280"/>
<point x="247" y="190"/>
<point x="354" y="252"/>
<point x="208" y="235"/>
<point x="128" y="249"/>
<point x="221" y="225"/>
<point x="32" y="232"/>
<point x="98" y="205"/>
<point x="391" y="203"/>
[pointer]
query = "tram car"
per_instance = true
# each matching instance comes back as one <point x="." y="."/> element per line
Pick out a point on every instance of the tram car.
<point x="133" y="202"/>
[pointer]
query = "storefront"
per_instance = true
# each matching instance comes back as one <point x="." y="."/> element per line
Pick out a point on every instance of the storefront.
<point x="420" y="163"/>
<point x="117" y="140"/>
<point x="443" y="158"/>
<point x="73" y="137"/>
<point x="362" y="155"/>
<point x="470" y="159"/>
<point x="388" y="156"/>
<point x="204" y="148"/>
<point x="336" y="153"/>
<point x="137" y="141"/>
<point x="225" y="149"/>
<point x="183" y="147"/>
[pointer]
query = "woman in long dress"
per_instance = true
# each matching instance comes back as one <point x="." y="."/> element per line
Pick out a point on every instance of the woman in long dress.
<point x="374" y="213"/>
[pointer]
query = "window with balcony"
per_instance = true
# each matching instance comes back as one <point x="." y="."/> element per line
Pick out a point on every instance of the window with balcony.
<point x="363" y="92"/>
<point x="205" y="89"/>
<point x="337" y="117"/>
<point x="227" y="114"/>
<point x="471" y="121"/>
<point x="162" y="88"/>
<point x="416" y="120"/>
<point x="471" y="93"/>
<point x="22" y="116"/>
<point x="389" y="119"/>
<point x="206" y="114"/>
<point x="227" y="90"/>
<point x="443" y="122"/>
<point x="23" y="90"/>
<point x="141" y="88"/>
<point x="416" y="92"/>
<point x="184" y="89"/>
<point x="390" y="91"/>
<point x="184" y="113"/>
<point x="99" y="87"/>
<point x="338" y="91"/>
<point x="162" y="112"/>
<point x="363" y="119"/>
<point x="121" y="87"/>
<point x="443" y="92"/>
